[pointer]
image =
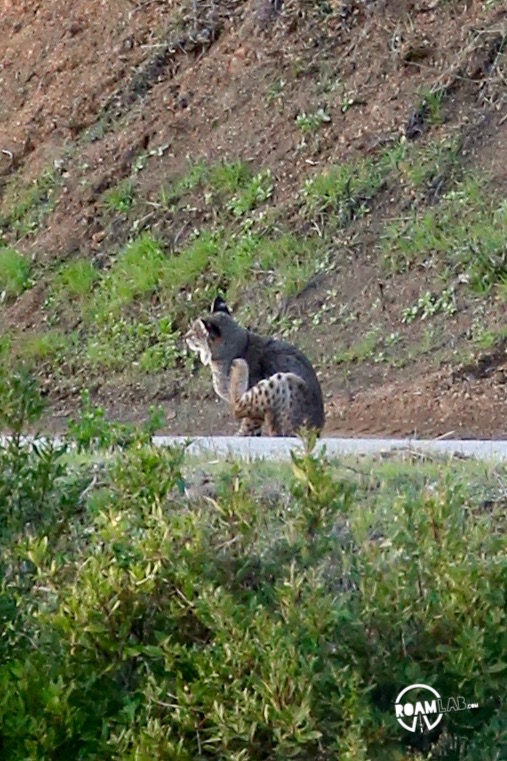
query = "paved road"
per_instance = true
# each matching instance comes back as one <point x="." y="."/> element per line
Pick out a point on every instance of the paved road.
<point x="279" y="448"/>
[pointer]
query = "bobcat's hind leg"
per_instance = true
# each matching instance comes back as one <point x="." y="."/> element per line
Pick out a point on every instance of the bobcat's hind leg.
<point x="250" y="427"/>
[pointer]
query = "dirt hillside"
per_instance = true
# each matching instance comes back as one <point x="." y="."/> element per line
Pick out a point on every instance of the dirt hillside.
<point x="338" y="170"/>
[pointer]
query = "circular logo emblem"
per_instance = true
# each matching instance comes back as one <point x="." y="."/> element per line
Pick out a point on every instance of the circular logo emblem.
<point x="418" y="706"/>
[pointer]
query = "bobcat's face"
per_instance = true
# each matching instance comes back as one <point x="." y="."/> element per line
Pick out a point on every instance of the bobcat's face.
<point x="198" y="340"/>
<point x="217" y="338"/>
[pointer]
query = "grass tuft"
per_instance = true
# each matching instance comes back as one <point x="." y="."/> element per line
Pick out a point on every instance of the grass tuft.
<point x="38" y="347"/>
<point x="76" y="279"/>
<point x="26" y="209"/>
<point x="14" y="273"/>
<point x="120" y="198"/>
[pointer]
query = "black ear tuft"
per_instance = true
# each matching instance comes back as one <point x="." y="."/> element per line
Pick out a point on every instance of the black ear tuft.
<point x="212" y="329"/>
<point x="219" y="305"/>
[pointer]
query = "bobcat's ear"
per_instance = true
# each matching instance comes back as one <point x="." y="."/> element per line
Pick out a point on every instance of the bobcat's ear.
<point x="211" y="329"/>
<point x="219" y="305"/>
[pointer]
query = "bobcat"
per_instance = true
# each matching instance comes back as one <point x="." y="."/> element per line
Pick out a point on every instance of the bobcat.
<point x="219" y="340"/>
<point x="277" y="402"/>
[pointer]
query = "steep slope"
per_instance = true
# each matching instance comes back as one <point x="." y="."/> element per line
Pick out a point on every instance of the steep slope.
<point x="338" y="169"/>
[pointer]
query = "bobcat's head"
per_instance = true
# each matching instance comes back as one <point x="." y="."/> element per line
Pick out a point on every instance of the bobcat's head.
<point x="217" y="337"/>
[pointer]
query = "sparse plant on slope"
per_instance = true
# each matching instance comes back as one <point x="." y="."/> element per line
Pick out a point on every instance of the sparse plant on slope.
<point x="466" y="229"/>
<point x="14" y="273"/>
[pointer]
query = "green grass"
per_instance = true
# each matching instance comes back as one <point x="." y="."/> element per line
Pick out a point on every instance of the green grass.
<point x="76" y="279"/>
<point x="256" y="191"/>
<point x="5" y="348"/>
<point x="137" y="272"/>
<point x="140" y="344"/>
<point x="488" y="338"/>
<point x="345" y="191"/>
<point x="361" y="350"/>
<point x="172" y="193"/>
<point x="23" y="210"/>
<point x="38" y="347"/>
<point x="431" y="106"/>
<point x="228" y="184"/>
<point x="432" y="165"/>
<point x="227" y="178"/>
<point x="466" y="230"/>
<point x="277" y="257"/>
<point x="14" y="273"/>
<point x="199" y="261"/>
<point x="277" y="620"/>
<point x="120" y="198"/>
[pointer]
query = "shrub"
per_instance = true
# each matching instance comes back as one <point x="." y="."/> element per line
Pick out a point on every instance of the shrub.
<point x="139" y="624"/>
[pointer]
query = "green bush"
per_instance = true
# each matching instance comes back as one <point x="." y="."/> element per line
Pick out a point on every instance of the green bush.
<point x="140" y="624"/>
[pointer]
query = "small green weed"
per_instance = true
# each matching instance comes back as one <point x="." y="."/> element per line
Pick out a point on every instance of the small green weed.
<point x="228" y="178"/>
<point x="360" y="351"/>
<point x="310" y="123"/>
<point x="431" y="304"/>
<point x="487" y="338"/>
<point x="256" y="191"/>
<point x="431" y="106"/>
<point x="121" y="197"/>
<point x="186" y="184"/>
<point x="91" y="432"/>
<point x="275" y="91"/>
<point x="14" y="273"/>
<point x="21" y="402"/>
<point x="329" y="79"/>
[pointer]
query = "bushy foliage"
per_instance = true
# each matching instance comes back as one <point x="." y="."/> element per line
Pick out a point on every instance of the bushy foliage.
<point x="138" y="623"/>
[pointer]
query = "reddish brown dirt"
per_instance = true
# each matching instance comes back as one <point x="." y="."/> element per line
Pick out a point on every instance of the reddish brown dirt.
<point x="435" y="405"/>
<point x="86" y="90"/>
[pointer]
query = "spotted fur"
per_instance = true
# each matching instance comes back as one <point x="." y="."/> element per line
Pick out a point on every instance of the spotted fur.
<point x="274" y="403"/>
